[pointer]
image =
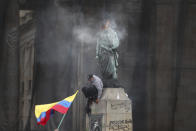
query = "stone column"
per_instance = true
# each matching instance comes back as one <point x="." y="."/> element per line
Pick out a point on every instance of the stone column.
<point x="10" y="70"/>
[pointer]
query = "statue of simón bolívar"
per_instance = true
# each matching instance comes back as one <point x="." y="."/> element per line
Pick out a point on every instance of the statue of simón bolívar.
<point x="106" y="51"/>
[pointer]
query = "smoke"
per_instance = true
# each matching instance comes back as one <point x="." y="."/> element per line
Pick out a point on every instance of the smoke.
<point x="120" y="29"/>
<point x="88" y="35"/>
<point x="84" y="34"/>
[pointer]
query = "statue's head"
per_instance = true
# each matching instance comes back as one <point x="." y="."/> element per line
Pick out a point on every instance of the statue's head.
<point x="106" y="20"/>
<point x="106" y="24"/>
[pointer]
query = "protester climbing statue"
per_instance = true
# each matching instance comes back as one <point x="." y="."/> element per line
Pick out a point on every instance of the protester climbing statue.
<point x="106" y="52"/>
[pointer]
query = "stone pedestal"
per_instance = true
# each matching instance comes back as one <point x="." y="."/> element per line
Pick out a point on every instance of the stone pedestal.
<point x="112" y="113"/>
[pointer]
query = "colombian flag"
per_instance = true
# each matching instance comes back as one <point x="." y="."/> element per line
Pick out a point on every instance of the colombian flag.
<point x="43" y="112"/>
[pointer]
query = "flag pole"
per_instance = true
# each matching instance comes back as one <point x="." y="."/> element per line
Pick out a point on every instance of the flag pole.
<point x="63" y="117"/>
<point x="61" y="121"/>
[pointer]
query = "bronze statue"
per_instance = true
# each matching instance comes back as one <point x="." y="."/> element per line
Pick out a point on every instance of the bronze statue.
<point x="106" y="51"/>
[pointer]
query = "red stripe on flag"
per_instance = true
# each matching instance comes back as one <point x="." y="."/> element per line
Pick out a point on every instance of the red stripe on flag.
<point x="44" y="120"/>
<point x="60" y="108"/>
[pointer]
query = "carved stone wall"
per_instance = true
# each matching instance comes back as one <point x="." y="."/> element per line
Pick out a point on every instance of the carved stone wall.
<point x="27" y="47"/>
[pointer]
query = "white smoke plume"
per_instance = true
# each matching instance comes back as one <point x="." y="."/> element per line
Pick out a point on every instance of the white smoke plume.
<point x="84" y="34"/>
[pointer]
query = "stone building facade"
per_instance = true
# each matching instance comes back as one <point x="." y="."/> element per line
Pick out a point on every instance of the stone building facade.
<point x="157" y="61"/>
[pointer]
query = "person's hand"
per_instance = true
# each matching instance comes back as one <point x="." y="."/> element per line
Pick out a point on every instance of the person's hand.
<point x="97" y="101"/>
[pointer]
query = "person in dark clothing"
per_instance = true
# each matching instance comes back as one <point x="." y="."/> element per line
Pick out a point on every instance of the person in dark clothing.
<point x="91" y="93"/>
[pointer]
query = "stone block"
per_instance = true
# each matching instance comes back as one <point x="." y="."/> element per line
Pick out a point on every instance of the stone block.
<point x="112" y="113"/>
